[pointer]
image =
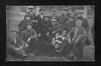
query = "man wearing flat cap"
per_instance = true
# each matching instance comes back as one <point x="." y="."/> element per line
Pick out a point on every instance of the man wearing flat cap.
<point x="40" y="19"/>
<point x="41" y="15"/>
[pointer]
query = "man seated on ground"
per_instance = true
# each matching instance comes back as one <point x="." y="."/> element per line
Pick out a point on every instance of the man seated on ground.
<point x="14" y="45"/>
<point x="29" y="35"/>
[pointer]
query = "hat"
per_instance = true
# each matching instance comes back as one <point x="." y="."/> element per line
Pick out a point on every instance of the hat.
<point x="31" y="7"/>
<point x="27" y="15"/>
<point x="46" y="16"/>
<point x="53" y="18"/>
<point x="41" y="9"/>
<point x="14" y="30"/>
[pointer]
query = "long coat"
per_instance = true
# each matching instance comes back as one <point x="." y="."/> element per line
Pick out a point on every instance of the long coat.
<point x="39" y="23"/>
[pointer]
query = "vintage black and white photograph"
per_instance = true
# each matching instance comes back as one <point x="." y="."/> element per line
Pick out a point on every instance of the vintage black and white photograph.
<point x="50" y="33"/>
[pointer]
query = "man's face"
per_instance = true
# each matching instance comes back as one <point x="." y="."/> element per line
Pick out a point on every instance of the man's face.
<point x="31" y="9"/>
<point x="42" y="12"/>
<point x="29" y="27"/>
<point x="53" y="22"/>
<point x="33" y="20"/>
<point x="46" y="18"/>
<point x="13" y="35"/>
<point x="78" y="22"/>
<point x="28" y="18"/>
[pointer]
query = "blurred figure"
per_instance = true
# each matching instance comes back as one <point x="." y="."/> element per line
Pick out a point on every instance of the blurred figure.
<point x="22" y="25"/>
<point x="14" y="46"/>
<point x="46" y="29"/>
<point x="56" y="27"/>
<point x="75" y="33"/>
<point x="13" y="36"/>
<point x="31" y="11"/>
<point x="41" y="15"/>
<point x="30" y="37"/>
<point x="53" y="19"/>
<point x="40" y="20"/>
<point x="59" y="39"/>
<point x="28" y="34"/>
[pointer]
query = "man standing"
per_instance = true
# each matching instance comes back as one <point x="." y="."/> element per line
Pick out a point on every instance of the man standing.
<point x="40" y="20"/>
<point x="78" y="35"/>
<point x="22" y="25"/>
<point x="31" y="12"/>
<point x="46" y="28"/>
<point x="41" y="15"/>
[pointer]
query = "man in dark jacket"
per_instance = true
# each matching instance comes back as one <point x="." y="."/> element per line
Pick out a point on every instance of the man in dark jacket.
<point x="29" y="36"/>
<point x="22" y="25"/>
<point x="40" y="21"/>
<point x="41" y="15"/>
<point x="46" y="30"/>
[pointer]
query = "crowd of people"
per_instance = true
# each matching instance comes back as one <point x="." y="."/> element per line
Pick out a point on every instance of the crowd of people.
<point x="64" y="33"/>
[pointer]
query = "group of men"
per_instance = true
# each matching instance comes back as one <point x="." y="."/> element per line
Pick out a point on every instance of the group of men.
<point x="37" y="30"/>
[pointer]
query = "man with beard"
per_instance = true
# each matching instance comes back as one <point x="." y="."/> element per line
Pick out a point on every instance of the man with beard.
<point x="76" y="34"/>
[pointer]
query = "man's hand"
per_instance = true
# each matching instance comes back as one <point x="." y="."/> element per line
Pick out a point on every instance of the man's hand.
<point x="34" y="36"/>
<point x="57" y="46"/>
<point x="26" y="45"/>
<point x="68" y="39"/>
<point x="47" y="33"/>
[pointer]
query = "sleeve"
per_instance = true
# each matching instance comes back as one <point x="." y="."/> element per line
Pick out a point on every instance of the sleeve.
<point x="20" y="24"/>
<point x="82" y="35"/>
<point x="72" y="33"/>
<point x="34" y="32"/>
<point x="23" y="35"/>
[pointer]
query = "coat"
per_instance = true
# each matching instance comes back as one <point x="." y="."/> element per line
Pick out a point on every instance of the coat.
<point x="26" y="34"/>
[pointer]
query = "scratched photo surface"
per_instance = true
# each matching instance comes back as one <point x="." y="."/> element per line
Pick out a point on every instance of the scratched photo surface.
<point x="50" y="33"/>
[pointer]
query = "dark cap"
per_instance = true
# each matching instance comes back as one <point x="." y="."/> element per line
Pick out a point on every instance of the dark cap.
<point x="27" y="15"/>
<point x="31" y="7"/>
<point x="41" y="9"/>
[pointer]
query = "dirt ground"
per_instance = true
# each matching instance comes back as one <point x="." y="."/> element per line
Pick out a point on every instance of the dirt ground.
<point x="87" y="56"/>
